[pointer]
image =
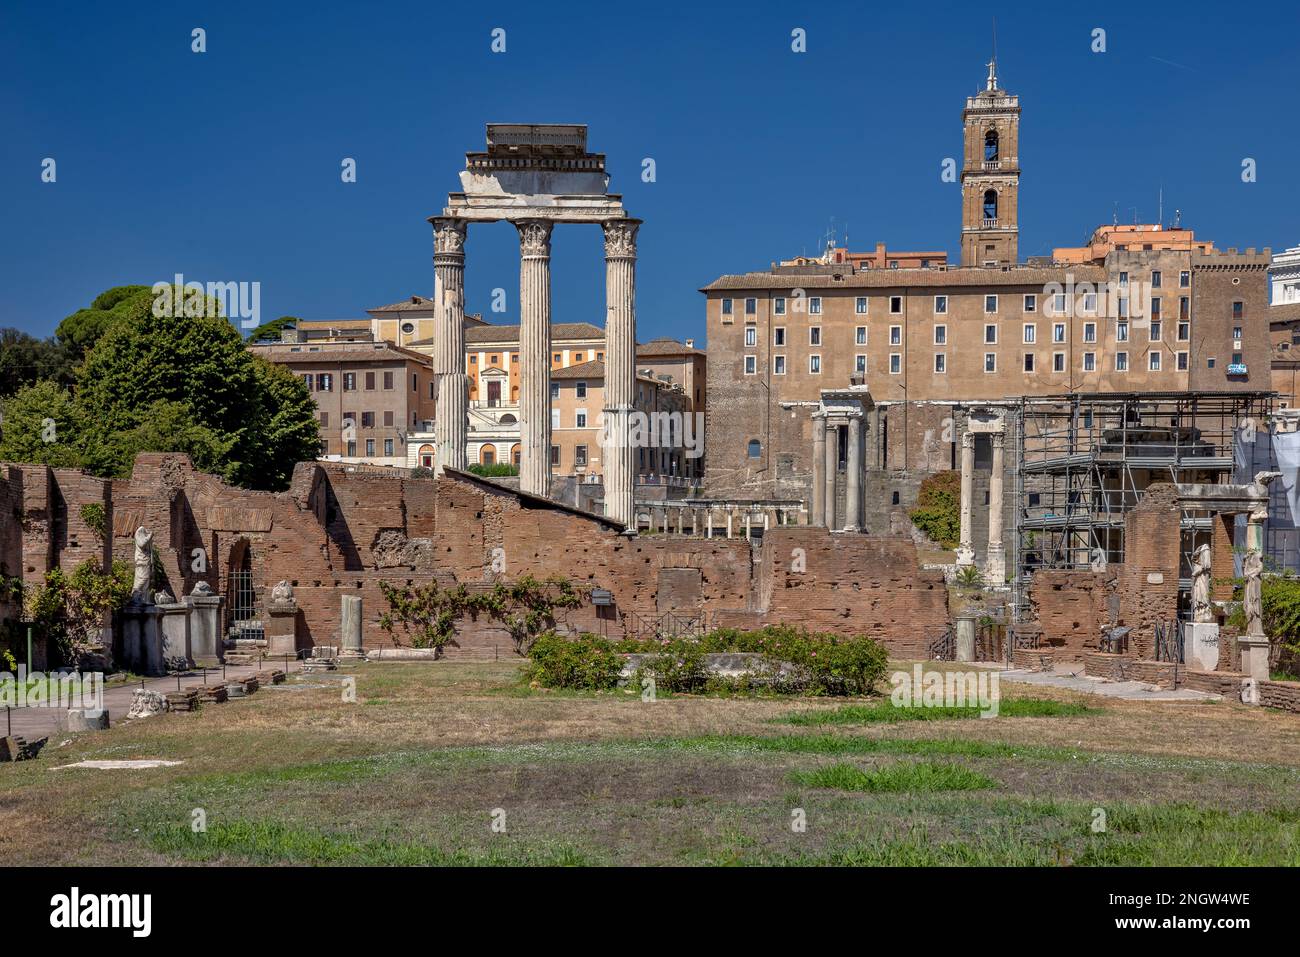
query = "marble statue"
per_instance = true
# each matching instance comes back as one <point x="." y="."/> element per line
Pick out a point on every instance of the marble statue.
<point x="1252" y="567"/>
<point x="1202" y="611"/>
<point x="282" y="591"/>
<point x="143" y="563"/>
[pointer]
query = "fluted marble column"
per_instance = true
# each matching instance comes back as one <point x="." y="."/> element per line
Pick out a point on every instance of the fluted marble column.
<point x="818" y="516"/>
<point x="995" y="568"/>
<point x="832" y="459"/>
<point x="965" y="553"/>
<point x="620" y="366"/>
<point x="451" y="417"/>
<point x="535" y="356"/>
<point x="853" y="478"/>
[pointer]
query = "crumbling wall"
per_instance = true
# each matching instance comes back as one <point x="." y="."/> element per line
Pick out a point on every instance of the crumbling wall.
<point x="1071" y="606"/>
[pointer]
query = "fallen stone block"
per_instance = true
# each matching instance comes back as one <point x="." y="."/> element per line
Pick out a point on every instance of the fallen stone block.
<point x="182" y="701"/>
<point x="210" y="694"/>
<point x="145" y="703"/>
<point x="84" y="719"/>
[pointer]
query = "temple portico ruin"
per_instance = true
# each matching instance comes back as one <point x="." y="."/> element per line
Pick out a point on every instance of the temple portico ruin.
<point x="990" y="422"/>
<point x="534" y="176"/>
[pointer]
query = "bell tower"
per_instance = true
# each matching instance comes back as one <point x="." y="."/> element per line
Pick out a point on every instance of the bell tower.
<point x="990" y="176"/>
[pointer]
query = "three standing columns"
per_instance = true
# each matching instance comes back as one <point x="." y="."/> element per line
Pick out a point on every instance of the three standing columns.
<point x="535" y="356"/>
<point x="620" y="367"/>
<point x="451" y="420"/>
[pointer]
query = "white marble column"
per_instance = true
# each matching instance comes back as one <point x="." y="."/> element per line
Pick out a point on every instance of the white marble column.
<point x="853" y="478"/>
<point x="832" y="459"/>
<point x="819" y="471"/>
<point x="620" y="366"/>
<point x="995" y="568"/>
<point x="535" y="356"/>
<point x="965" y="553"/>
<point x="451" y="416"/>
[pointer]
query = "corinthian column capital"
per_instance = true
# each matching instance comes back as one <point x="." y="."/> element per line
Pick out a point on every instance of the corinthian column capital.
<point x="534" y="237"/>
<point x="449" y="236"/>
<point x="620" y="238"/>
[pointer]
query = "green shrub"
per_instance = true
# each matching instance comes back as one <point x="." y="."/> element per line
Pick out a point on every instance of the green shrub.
<point x="588" y="662"/>
<point x="680" y="669"/>
<point x="495" y="470"/>
<point x="938" y="508"/>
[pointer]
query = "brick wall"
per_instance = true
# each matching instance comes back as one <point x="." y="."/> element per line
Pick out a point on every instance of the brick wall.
<point x="1147" y="582"/>
<point x="1280" y="694"/>
<point x="1071" y="606"/>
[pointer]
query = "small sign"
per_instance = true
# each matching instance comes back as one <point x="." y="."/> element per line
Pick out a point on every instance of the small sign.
<point x="1155" y="578"/>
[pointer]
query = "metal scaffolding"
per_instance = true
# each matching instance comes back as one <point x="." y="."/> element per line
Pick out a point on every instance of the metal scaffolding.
<point x="1082" y="462"/>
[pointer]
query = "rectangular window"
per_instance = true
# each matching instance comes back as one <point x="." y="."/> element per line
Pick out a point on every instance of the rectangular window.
<point x="349" y="382"/>
<point x="1029" y="362"/>
<point x="1121" y="362"/>
<point x="1031" y="303"/>
<point x="1155" y="279"/>
<point x="778" y="306"/>
<point x="940" y="362"/>
<point x="778" y="336"/>
<point x="1058" y="303"/>
<point x="1090" y="303"/>
<point x="370" y="447"/>
<point x="388" y="419"/>
<point x="388" y="381"/>
<point x="1236" y="332"/>
<point x="1123" y="280"/>
<point x="860" y="364"/>
<point x="751" y="336"/>
<point x="814" y="365"/>
<point x="1155" y="308"/>
<point x="1153" y="360"/>
<point x="352" y="448"/>
<point x="895" y="335"/>
<point x="726" y="307"/>
<point x="1089" y="332"/>
<point x="941" y="305"/>
<point x="860" y="336"/>
<point x="990" y="362"/>
<point x="555" y="456"/>
<point x="325" y="420"/>
<point x="580" y="418"/>
<point x="555" y="418"/>
<point x="778" y="365"/>
<point x="860" y="305"/>
<point x="991" y="335"/>
<point x="896" y="305"/>
<point x="1182" y="362"/>
<point x="388" y="447"/>
<point x="555" y="391"/>
<point x="1184" y="307"/>
<point x="1058" y="332"/>
<point x="367" y="420"/>
<point x="1155" y="331"/>
<point x="580" y="389"/>
<point x="1058" y="361"/>
<point x="1031" y="333"/>
<point x="309" y="380"/>
<point x="1184" y="279"/>
<point x="940" y="335"/>
<point x="325" y="382"/>
<point x="814" y="335"/>
<point x="815" y="306"/>
<point x="1184" y="331"/>
<point x="990" y="304"/>
<point x="370" y="382"/>
<point x="1123" y="306"/>
<point x="895" y="363"/>
<point x="1089" y="361"/>
<point x="1121" y="332"/>
<point x="751" y="306"/>
<point x="751" y="365"/>
<point x="579" y="456"/>
<point x="415" y="383"/>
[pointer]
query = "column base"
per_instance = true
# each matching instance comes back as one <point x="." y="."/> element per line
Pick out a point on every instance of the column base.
<point x="1254" y="656"/>
<point x="995" y="566"/>
<point x="965" y="556"/>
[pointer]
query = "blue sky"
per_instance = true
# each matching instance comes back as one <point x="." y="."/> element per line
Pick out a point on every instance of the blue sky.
<point x="224" y="166"/>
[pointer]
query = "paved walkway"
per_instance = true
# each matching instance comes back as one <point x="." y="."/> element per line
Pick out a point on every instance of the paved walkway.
<point x="33" y="723"/>
<point x="1070" y="675"/>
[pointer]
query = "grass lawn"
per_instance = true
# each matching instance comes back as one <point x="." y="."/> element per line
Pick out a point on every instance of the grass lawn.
<point x="458" y="763"/>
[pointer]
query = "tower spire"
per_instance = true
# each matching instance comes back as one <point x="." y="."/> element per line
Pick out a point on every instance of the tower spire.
<point x="992" y="83"/>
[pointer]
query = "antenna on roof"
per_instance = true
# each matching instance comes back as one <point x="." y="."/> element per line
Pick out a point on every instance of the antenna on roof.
<point x="1178" y="218"/>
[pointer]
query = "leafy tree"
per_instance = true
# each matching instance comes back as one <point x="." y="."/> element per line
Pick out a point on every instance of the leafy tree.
<point x="286" y="431"/>
<point x="165" y="426"/>
<point x="42" y="425"/>
<point x="79" y="332"/>
<point x="938" y="508"/>
<point x="71" y="608"/>
<point x="25" y="359"/>
<point x="271" y="330"/>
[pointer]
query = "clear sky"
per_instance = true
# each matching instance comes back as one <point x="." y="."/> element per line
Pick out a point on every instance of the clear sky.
<point x="225" y="166"/>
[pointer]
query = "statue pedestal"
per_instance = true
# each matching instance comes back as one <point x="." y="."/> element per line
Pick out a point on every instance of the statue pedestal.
<point x="965" y="637"/>
<point x="205" y="626"/>
<point x="176" y="634"/>
<point x="1201" y="645"/>
<point x="350" y="630"/>
<point x="282" y="628"/>
<point x="1254" y="656"/>
<point x="142" y="640"/>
